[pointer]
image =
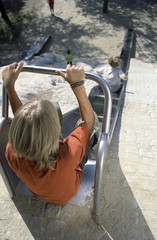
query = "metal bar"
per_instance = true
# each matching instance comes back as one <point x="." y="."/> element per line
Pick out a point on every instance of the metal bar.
<point x="101" y="156"/>
<point x="112" y="127"/>
<point x="5" y="103"/>
<point x="91" y="76"/>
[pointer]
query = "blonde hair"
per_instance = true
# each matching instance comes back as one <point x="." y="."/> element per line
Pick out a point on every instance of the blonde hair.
<point x="34" y="133"/>
<point x="114" y="61"/>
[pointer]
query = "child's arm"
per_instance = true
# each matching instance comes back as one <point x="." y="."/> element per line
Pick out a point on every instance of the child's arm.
<point x="9" y="76"/>
<point x="76" y="74"/>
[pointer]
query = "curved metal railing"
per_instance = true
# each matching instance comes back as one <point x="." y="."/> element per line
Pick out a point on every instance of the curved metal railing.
<point x="102" y="149"/>
<point x="91" y="76"/>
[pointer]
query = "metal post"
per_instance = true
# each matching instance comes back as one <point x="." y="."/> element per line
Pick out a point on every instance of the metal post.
<point x="5" y="103"/>
<point x="101" y="156"/>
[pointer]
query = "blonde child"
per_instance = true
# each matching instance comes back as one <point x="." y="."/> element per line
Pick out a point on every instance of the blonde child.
<point x="51" y="169"/>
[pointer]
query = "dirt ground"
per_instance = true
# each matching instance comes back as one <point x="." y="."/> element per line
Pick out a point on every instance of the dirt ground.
<point x="128" y="201"/>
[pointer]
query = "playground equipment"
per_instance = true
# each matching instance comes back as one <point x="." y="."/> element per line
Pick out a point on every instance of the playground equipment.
<point x="107" y="107"/>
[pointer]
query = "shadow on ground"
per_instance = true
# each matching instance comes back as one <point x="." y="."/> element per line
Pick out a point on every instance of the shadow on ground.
<point x="138" y="15"/>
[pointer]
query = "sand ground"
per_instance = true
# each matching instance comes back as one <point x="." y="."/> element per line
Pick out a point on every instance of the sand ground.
<point x="128" y="202"/>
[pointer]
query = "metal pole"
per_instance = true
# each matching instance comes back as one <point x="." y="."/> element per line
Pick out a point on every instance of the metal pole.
<point x="101" y="156"/>
<point x="5" y="103"/>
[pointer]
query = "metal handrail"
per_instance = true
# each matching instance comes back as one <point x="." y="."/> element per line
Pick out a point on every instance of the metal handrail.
<point x="102" y="149"/>
<point x="91" y="76"/>
<point x="5" y="103"/>
<point x="101" y="156"/>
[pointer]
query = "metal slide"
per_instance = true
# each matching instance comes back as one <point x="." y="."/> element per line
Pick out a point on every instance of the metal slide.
<point x="106" y="106"/>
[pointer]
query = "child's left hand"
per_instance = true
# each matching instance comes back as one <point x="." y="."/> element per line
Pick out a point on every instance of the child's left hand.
<point x="10" y="74"/>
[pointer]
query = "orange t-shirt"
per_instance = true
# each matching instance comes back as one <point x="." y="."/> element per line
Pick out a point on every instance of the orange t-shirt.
<point x="60" y="185"/>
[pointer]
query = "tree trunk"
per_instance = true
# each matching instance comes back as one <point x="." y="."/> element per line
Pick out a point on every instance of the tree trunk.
<point x="4" y="15"/>
<point x="7" y="20"/>
<point x="105" y="6"/>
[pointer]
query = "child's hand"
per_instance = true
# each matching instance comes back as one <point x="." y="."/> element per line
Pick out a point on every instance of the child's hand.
<point x="73" y="74"/>
<point x="10" y="74"/>
<point x="124" y="77"/>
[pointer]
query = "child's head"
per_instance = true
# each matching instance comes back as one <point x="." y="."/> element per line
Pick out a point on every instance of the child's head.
<point x="34" y="132"/>
<point x="114" y="61"/>
<point x="68" y="52"/>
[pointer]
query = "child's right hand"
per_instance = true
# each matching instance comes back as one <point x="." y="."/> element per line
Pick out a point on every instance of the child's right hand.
<point x="73" y="74"/>
<point x="124" y="77"/>
<point x="10" y="74"/>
